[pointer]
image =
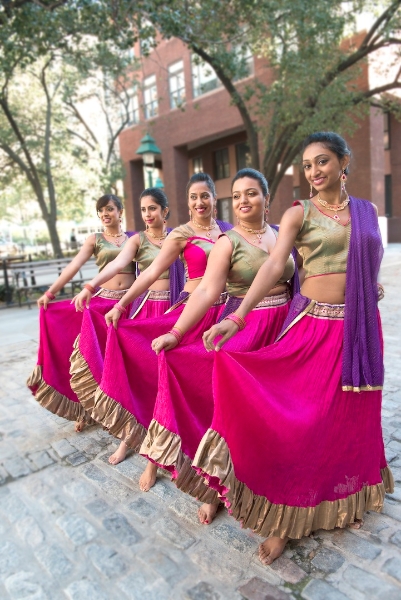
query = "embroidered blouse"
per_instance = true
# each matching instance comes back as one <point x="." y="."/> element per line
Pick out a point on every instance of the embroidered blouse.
<point x="322" y="242"/>
<point x="105" y="252"/>
<point x="196" y="251"/>
<point x="246" y="260"/>
<point x="147" y="253"/>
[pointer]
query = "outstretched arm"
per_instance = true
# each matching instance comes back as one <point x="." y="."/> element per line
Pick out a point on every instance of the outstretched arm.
<point x="126" y="255"/>
<point x="209" y="289"/>
<point x="70" y="270"/>
<point x="168" y="254"/>
<point x="267" y="276"/>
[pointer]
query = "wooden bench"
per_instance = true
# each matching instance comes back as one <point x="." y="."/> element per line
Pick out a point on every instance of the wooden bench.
<point x="24" y="278"/>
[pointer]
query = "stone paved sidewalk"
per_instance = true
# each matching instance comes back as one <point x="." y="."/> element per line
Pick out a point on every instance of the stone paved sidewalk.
<point x="74" y="527"/>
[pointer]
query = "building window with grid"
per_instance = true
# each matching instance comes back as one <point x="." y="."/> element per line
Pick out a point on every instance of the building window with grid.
<point x="198" y="164"/>
<point x="133" y="106"/>
<point x="224" y="210"/>
<point x="176" y="84"/>
<point x="221" y="164"/>
<point x="243" y="155"/>
<point x="150" y="97"/>
<point x="204" y="78"/>
<point x="386" y="131"/>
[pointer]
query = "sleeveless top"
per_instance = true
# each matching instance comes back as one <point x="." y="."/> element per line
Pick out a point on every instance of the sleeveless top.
<point x="105" y="252"/>
<point x="196" y="251"/>
<point x="246" y="260"/>
<point x="322" y="242"/>
<point x="146" y="254"/>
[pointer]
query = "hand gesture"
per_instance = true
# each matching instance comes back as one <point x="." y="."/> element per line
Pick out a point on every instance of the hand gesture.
<point x="43" y="301"/>
<point x="82" y="299"/>
<point x="113" y="316"/>
<point x="164" y="342"/>
<point x="227" y="329"/>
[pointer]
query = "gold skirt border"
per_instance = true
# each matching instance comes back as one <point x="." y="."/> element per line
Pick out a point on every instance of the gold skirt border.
<point x="267" y="519"/>
<point x="118" y="421"/>
<point x="164" y="448"/>
<point x="53" y="401"/>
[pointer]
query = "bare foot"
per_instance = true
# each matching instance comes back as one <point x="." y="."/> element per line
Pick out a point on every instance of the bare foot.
<point x="357" y="524"/>
<point x="119" y="455"/>
<point x="271" y="549"/>
<point x="148" y="477"/>
<point x="207" y="512"/>
<point x="80" y="426"/>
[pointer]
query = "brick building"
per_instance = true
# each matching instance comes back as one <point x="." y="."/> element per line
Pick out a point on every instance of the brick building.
<point x="184" y="107"/>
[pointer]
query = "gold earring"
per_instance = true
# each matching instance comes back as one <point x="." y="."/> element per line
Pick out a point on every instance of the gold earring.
<point x="311" y="191"/>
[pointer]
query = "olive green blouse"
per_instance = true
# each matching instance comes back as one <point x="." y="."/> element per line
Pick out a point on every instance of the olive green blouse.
<point x="105" y="252"/>
<point x="246" y="260"/>
<point x="146" y="254"/>
<point x="322" y="242"/>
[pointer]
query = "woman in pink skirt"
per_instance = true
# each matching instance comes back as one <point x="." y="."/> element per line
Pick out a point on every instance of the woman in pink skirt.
<point x="124" y="400"/>
<point x="60" y="323"/>
<point x="184" y="405"/>
<point x="142" y="248"/>
<point x="295" y="443"/>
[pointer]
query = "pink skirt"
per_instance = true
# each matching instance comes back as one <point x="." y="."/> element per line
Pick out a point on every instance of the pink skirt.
<point x="49" y="382"/>
<point x="87" y="359"/>
<point x="124" y="399"/>
<point x="287" y="449"/>
<point x="184" y="405"/>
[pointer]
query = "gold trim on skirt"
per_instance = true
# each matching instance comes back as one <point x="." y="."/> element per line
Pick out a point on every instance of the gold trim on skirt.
<point x="268" y="519"/>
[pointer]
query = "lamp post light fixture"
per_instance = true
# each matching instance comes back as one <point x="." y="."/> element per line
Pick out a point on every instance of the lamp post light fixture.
<point x="148" y="150"/>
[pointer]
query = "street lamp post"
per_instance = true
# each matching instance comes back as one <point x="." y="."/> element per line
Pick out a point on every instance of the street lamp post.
<point x="148" y="150"/>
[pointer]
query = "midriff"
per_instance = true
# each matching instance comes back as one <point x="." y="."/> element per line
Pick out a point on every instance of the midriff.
<point x="329" y="288"/>
<point x="121" y="281"/>
<point x="191" y="285"/>
<point x="161" y="285"/>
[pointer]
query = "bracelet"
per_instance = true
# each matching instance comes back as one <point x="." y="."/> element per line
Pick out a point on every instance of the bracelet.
<point x="50" y="295"/>
<point x="177" y="333"/>
<point x="237" y="320"/>
<point x="90" y="288"/>
<point x="121" y="308"/>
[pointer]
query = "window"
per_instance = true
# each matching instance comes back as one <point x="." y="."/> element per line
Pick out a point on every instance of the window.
<point x="176" y="83"/>
<point x="245" y="61"/>
<point x="204" y="78"/>
<point x="243" y="155"/>
<point x="133" y="106"/>
<point x="224" y="209"/>
<point x="386" y="131"/>
<point x="221" y="164"/>
<point x="198" y="164"/>
<point x="388" y="197"/>
<point x="150" y="96"/>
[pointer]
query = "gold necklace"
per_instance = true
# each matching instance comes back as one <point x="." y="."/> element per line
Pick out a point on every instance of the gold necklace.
<point x="159" y="239"/>
<point x="257" y="232"/>
<point x="334" y="207"/>
<point x="207" y="228"/>
<point x="113" y="234"/>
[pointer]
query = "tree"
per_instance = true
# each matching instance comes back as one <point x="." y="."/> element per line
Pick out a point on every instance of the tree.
<point x="59" y="46"/>
<point x="313" y="52"/>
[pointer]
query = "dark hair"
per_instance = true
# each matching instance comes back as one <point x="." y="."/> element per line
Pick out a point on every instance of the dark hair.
<point x="104" y="200"/>
<point x="330" y="140"/>
<point x="158" y="196"/>
<point x="201" y="178"/>
<point x="253" y="174"/>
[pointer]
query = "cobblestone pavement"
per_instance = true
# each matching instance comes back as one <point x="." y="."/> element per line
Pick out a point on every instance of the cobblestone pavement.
<point x="74" y="527"/>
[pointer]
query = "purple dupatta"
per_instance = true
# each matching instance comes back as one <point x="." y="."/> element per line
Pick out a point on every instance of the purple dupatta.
<point x="362" y="352"/>
<point x="362" y="359"/>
